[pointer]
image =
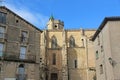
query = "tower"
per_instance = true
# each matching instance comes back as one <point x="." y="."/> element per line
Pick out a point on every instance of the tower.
<point x="66" y="52"/>
<point x="55" y="24"/>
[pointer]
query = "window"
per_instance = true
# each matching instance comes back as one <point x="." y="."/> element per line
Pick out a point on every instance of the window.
<point x="97" y="55"/>
<point x="101" y="48"/>
<point x="40" y="59"/>
<point x="54" y="42"/>
<point x="55" y="26"/>
<point x="22" y="52"/>
<point x="54" y="59"/>
<point x="75" y="62"/>
<point x="2" y="32"/>
<point x="72" y="42"/>
<point x="24" y="36"/>
<point x="2" y="17"/>
<point x="82" y="42"/>
<point x="21" y="69"/>
<point x="1" y="49"/>
<point x="101" y="69"/>
<point x="21" y="72"/>
<point x="98" y="40"/>
<point x="17" y="21"/>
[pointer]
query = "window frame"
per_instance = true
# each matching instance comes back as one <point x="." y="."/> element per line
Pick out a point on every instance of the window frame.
<point x="3" y="18"/>
<point x="82" y="42"/>
<point x="2" y="50"/>
<point x="54" y="59"/>
<point x="75" y="63"/>
<point x="97" y="55"/>
<point x="101" y="69"/>
<point x="21" y="72"/>
<point x="23" y="55"/>
<point x="22" y="37"/>
<point x="102" y="48"/>
<point x="98" y="40"/>
<point x="2" y="32"/>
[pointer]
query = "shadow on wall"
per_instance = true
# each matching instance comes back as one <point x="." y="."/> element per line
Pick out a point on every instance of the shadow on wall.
<point x="72" y="58"/>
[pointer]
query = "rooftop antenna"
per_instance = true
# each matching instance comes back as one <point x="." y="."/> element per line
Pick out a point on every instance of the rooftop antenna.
<point x="1" y="2"/>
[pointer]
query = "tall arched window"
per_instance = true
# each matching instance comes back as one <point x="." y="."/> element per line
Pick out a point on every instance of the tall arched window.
<point x="71" y="42"/>
<point x="54" y="59"/>
<point x="75" y="62"/>
<point x="21" y="72"/>
<point x="54" y="42"/>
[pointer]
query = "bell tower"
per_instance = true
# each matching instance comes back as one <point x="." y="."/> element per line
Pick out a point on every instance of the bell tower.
<point x="55" y="24"/>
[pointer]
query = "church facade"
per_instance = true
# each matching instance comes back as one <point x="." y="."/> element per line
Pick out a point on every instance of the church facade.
<point x="66" y="54"/>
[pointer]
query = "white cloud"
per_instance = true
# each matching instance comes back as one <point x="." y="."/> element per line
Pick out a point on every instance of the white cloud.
<point x="36" y="19"/>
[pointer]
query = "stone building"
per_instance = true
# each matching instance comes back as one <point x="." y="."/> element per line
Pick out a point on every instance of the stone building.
<point x="107" y="49"/>
<point x="66" y="54"/>
<point x="27" y="53"/>
<point x="19" y="47"/>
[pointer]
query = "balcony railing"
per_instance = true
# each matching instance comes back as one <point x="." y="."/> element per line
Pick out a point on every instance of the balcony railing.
<point x="12" y="56"/>
<point x="21" y="76"/>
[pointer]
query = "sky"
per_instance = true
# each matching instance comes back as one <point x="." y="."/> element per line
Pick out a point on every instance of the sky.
<point x="76" y="14"/>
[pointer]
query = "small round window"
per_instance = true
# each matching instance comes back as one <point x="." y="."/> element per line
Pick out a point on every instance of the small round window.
<point x="55" y="26"/>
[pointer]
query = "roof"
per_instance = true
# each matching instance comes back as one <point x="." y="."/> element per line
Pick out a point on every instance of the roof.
<point x="21" y="18"/>
<point x="106" y="19"/>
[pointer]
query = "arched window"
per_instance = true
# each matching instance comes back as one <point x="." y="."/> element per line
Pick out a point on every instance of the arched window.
<point x="54" y="42"/>
<point x="82" y="42"/>
<point x="75" y="62"/>
<point x="72" y="42"/>
<point x="54" y="59"/>
<point x="21" y="72"/>
<point x="21" y="69"/>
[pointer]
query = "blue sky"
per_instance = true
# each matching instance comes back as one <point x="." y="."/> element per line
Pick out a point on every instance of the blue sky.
<point x="76" y="14"/>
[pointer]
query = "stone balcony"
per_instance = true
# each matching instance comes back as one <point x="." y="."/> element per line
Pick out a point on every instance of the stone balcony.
<point x="12" y="56"/>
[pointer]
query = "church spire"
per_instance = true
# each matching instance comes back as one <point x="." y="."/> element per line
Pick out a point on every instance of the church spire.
<point x="51" y="17"/>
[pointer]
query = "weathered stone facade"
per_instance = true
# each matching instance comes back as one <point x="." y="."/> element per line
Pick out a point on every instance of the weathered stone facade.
<point x="73" y="50"/>
<point x="19" y="47"/>
<point x="27" y="53"/>
<point x="107" y="49"/>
